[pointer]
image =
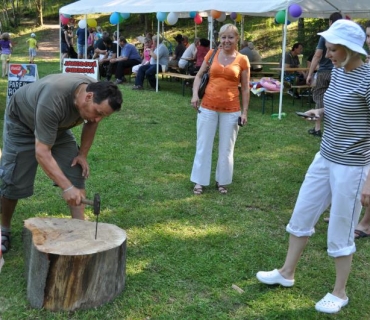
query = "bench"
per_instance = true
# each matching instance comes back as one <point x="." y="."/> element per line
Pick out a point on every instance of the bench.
<point x="183" y="77"/>
<point x="305" y="87"/>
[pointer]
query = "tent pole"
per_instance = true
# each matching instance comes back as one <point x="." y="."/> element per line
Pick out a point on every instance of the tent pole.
<point x="158" y="30"/>
<point x="86" y="37"/>
<point x="241" y="32"/>
<point x="60" y="44"/>
<point x="283" y="64"/>
<point x="118" y="39"/>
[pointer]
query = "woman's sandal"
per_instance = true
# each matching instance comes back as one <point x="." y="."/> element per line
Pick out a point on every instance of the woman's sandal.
<point x="221" y="189"/>
<point x="5" y="241"/>
<point x="198" y="189"/>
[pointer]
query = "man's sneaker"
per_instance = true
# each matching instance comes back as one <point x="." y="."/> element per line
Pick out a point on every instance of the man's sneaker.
<point x="290" y="92"/>
<point x="119" y="81"/>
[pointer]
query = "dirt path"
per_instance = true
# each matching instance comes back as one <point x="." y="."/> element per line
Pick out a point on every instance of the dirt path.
<point x="49" y="44"/>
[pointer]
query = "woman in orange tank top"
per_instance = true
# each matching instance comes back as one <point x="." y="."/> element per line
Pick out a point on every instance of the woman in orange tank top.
<point x="220" y="109"/>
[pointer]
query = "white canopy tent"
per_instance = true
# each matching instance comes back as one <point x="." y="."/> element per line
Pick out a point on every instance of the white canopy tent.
<point x="311" y="8"/>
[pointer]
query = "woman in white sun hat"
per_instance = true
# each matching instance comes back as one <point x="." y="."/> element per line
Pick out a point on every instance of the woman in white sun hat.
<point x="337" y="176"/>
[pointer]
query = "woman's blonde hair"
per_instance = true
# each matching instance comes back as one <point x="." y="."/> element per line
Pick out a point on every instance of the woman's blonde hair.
<point x="350" y="54"/>
<point x="229" y="27"/>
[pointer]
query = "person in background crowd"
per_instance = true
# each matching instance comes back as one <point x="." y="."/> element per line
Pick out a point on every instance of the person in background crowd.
<point x="189" y="54"/>
<point x="292" y="61"/>
<point x="65" y="42"/>
<point x="81" y="41"/>
<point x="90" y="43"/>
<point x="252" y="54"/>
<point x="323" y="75"/>
<point x="149" y="71"/>
<point x="179" y="50"/>
<point x="338" y="176"/>
<point x="110" y="54"/>
<point x="146" y="54"/>
<point x="129" y="57"/>
<point x="202" y="50"/>
<point x="219" y="110"/>
<point x="6" y="51"/>
<point x="363" y="228"/>
<point x="37" y="125"/>
<point x="32" y="46"/>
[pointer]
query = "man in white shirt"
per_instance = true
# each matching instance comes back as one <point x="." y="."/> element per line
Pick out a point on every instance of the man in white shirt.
<point x="189" y="54"/>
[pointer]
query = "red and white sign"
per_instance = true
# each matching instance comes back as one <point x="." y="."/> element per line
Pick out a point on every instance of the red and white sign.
<point x="82" y="66"/>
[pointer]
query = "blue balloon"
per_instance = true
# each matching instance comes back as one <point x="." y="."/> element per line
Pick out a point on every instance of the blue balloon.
<point x="114" y="18"/>
<point x="192" y="14"/>
<point x="125" y="15"/>
<point x="66" y="15"/>
<point x="161" y="16"/>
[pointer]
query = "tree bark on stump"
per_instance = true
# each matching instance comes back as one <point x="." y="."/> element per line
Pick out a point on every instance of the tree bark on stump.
<point x="67" y="269"/>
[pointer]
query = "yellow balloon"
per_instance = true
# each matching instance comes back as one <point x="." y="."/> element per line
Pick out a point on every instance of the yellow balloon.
<point x="238" y="17"/>
<point x="92" y="23"/>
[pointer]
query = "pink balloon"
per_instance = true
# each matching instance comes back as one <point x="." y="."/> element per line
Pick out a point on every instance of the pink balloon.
<point x="198" y="19"/>
<point x="63" y="19"/>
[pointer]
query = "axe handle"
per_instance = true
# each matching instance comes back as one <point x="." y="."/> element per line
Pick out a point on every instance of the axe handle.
<point x="87" y="201"/>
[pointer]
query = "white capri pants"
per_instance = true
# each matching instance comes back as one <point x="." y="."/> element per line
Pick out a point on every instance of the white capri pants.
<point x="207" y="123"/>
<point x="328" y="183"/>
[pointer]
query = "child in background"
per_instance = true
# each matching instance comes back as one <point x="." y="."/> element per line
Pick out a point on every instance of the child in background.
<point x="32" y="46"/>
<point x="6" y="51"/>
<point x="146" y="54"/>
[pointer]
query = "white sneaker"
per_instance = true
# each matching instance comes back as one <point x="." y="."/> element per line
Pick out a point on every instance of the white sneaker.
<point x="274" y="277"/>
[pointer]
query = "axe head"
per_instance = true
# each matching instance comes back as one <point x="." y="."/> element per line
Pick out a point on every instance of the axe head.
<point x="97" y="204"/>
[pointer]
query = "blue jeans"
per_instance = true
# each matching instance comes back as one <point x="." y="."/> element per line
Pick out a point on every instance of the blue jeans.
<point x="149" y="71"/>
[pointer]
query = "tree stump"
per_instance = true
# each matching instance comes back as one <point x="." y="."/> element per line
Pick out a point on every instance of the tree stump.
<point x="67" y="269"/>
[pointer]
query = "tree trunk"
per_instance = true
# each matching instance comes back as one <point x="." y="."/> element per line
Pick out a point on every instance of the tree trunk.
<point x="67" y="269"/>
<point x="39" y="14"/>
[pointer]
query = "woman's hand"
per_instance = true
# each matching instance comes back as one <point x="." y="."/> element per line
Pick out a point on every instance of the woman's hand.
<point x="195" y="102"/>
<point x="244" y="118"/>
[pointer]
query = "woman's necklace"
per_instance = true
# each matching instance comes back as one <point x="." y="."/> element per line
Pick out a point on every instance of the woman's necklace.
<point x="226" y="57"/>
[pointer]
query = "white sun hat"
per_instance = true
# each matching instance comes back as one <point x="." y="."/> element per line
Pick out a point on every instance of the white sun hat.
<point x="33" y="35"/>
<point x="346" y="33"/>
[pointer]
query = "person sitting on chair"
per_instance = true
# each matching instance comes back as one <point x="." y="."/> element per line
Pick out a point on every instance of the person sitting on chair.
<point x="189" y="54"/>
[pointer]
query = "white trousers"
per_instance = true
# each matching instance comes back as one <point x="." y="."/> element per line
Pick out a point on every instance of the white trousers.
<point x="330" y="183"/>
<point x="207" y="124"/>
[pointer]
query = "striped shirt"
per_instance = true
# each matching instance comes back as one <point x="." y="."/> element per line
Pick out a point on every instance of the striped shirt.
<point x="346" y="138"/>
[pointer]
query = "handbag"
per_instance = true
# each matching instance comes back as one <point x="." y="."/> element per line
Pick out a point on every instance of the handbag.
<point x="205" y="77"/>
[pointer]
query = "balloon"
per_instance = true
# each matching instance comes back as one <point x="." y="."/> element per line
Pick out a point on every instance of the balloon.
<point x="125" y="15"/>
<point x="280" y="17"/>
<point x="233" y="15"/>
<point x="92" y="23"/>
<point x="66" y="15"/>
<point x="64" y="20"/>
<point x="295" y="10"/>
<point x="192" y="14"/>
<point x="198" y="19"/>
<point x="222" y="18"/>
<point x="238" y="17"/>
<point x="161" y="16"/>
<point x="215" y="14"/>
<point x="82" y="24"/>
<point x="114" y="18"/>
<point x="120" y="18"/>
<point x="172" y="18"/>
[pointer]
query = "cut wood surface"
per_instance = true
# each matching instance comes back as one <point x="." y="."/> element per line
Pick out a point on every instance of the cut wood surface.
<point x="67" y="269"/>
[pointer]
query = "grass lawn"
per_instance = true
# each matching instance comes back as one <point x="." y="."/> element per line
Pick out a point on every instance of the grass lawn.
<point x="185" y="252"/>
